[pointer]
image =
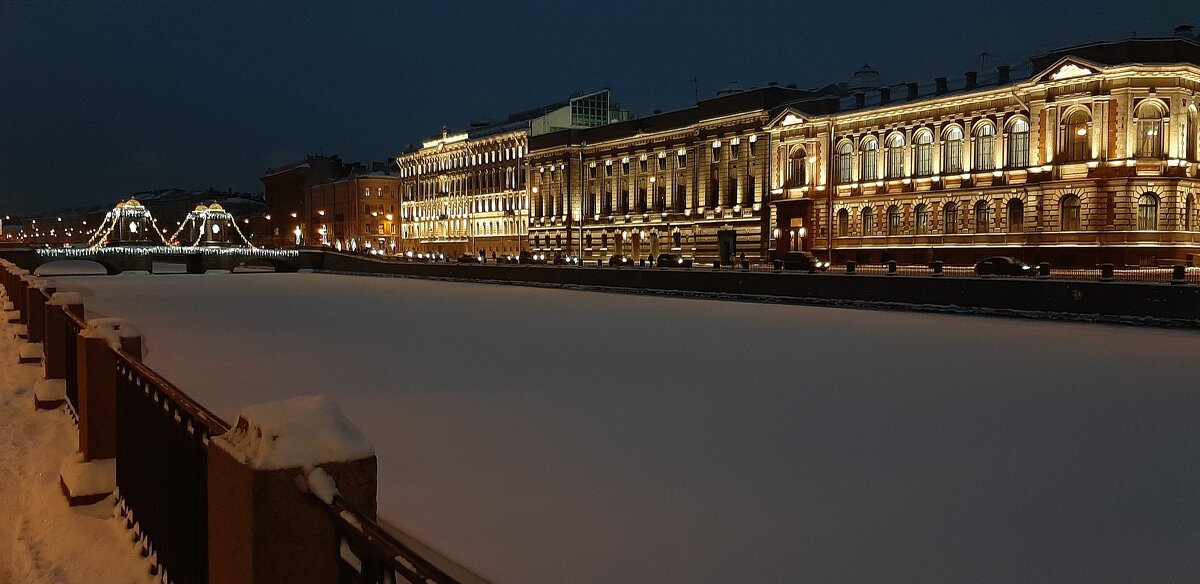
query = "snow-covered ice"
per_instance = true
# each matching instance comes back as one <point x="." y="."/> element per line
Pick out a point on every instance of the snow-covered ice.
<point x="540" y="435"/>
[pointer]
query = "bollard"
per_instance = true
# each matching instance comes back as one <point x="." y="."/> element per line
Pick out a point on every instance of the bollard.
<point x="642" y="263"/>
<point x="1178" y="275"/>
<point x="937" y="268"/>
<point x="1043" y="271"/>
<point x="891" y="267"/>
<point x="716" y="265"/>
<point x="850" y="265"/>
<point x="1106" y="272"/>
<point x="777" y="266"/>
<point x="262" y="528"/>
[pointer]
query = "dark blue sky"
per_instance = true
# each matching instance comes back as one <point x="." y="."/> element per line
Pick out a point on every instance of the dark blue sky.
<point x="101" y="99"/>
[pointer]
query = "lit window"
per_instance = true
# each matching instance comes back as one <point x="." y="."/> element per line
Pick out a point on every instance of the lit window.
<point x="1018" y="144"/>
<point x="1076" y="146"/>
<point x="1069" y="211"/>
<point x="952" y="150"/>
<point x="1147" y="219"/>
<point x="1150" y="129"/>
<point x="985" y="147"/>
<point x="870" y="150"/>
<point x="894" y="157"/>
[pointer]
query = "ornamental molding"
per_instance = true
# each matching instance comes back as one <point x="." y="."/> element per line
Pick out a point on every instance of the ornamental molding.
<point x="1070" y="70"/>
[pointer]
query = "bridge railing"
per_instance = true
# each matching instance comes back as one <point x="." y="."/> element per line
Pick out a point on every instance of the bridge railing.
<point x="371" y="555"/>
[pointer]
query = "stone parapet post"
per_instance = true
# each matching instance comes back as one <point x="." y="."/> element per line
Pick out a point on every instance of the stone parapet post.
<point x="269" y="482"/>
<point x="89" y="475"/>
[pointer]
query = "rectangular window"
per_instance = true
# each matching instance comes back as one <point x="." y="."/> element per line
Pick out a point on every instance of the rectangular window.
<point x="608" y="169"/>
<point x="681" y="159"/>
<point x="844" y="174"/>
<point x="592" y="171"/>
<point x="625" y="166"/>
<point x="643" y="165"/>
<point x="735" y="149"/>
<point x="870" y="165"/>
<point x="662" y="161"/>
<point x="716" y="154"/>
<point x="924" y="159"/>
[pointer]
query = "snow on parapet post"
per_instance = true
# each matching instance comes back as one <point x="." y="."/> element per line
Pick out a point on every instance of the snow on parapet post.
<point x="270" y="480"/>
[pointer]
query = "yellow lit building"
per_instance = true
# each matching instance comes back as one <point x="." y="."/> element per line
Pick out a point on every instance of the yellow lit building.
<point x="465" y="192"/>
<point x="1085" y="155"/>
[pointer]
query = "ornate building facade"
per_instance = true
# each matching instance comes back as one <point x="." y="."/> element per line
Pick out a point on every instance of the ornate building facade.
<point x="1084" y="155"/>
<point x="691" y="182"/>
<point x="465" y="193"/>
<point x="1092" y="157"/>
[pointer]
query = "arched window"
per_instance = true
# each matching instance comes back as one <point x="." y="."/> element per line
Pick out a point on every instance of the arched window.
<point x="952" y="142"/>
<point x="843" y="223"/>
<point x="868" y="221"/>
<point x="894" y="161"/>
<point x="983" y="217"/>
<point x="1147" y="219"/>
<point x="985" y="147"/>
<point x="1069" y="209"/>
<point x="1016" y="215"/>
<point x="797" y="164"/>
<point x="922" y="213"/>
<point x="870" y="152"/>
<point x="604" y="239"/>
<point x="950" y="218"/>
<point x="893" y="220"/>
<point x="1018" y="144"/>
<point x="844" y="153"/>
<point x="924" y="153"/>
<point x="1076" y="146"/>
<point x="1150" y="130"/>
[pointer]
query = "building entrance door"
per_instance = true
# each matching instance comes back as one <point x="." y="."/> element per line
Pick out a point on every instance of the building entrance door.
<point x="727" y="241"/>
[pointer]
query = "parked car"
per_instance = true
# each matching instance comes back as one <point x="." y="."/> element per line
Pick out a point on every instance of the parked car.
<point x="528" y="257"/>
<point x="467" y="258"/>
<point x="803" y="260"/>
<point x="1005" y="266"/>
<point x="670" y="260"/>
<point x="619" y="260"/>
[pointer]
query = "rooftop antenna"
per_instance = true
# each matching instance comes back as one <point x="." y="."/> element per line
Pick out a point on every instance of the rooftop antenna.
<point x="982" y="59"/>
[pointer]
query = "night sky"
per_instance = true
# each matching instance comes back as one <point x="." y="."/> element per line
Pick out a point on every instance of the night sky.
<point x="102" y="99"/>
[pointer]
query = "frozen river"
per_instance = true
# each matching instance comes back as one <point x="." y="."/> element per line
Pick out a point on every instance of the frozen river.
<point x="545" y="436"/>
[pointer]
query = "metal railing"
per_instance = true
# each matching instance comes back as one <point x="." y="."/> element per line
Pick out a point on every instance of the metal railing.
<point x="162" y="469"/>
<point x="370" y="555"/>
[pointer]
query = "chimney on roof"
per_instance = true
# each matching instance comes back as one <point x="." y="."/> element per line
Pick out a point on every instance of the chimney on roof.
<point x="941" y="85"/>
<point x="860" y="99"/>
<point x="885" y="95"/>
<point x="1185" y="31"/>
<point x="1002" y="74"/>
<point x="972" y="79"/>
<point x="912" y="91"/>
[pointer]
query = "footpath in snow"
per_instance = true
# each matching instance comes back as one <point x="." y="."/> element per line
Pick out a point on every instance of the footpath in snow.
<point x="42" y="540"/>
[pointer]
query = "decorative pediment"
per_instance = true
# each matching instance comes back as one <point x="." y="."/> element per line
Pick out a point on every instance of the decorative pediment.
<point x="788" y="117"/>
<point x="1068" y="68"/>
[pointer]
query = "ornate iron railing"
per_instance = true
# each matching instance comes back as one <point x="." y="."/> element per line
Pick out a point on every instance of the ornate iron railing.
<point x="162" y="470"/>
<point x="370" y="555"/>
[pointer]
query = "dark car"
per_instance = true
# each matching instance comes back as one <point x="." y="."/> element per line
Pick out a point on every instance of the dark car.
<point x="670" y="260"/>
<point x="1003" y="266"/>
<point x="467" y="258"/>
<point x="619" y="260"/>
<point x="803" y="260"/>
<point x="528" y="257"/>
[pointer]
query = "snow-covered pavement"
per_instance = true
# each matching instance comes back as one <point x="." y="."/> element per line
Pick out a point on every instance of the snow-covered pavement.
<point x="543" y="436"/>
<point x="42" y="540"/>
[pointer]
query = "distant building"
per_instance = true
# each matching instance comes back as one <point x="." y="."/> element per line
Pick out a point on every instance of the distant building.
<point x="465" y="192"/>
<point x="356" y="212"/>
<point x="1084" y="155"/>
<point x="287" y="215"/>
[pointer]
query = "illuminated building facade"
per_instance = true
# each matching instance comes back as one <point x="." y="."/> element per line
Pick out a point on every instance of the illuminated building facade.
<point x="690" y="182"/>
<point x="1081" y="156"/>
<point x="465" y="193"/>
<point x="358" y="212"/>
